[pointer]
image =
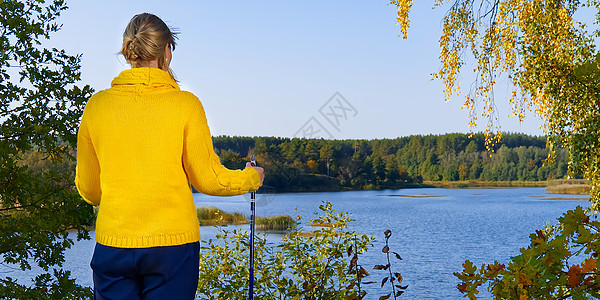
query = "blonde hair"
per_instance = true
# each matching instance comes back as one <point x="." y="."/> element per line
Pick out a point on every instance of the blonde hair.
<point x="145" y="39"/>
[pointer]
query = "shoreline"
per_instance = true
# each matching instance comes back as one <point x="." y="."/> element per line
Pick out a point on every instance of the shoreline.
<point x="472" y="184"/>
<point x="567" y="187"/>
<point x="475" y="184"/>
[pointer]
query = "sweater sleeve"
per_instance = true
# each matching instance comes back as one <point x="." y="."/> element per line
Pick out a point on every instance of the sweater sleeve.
<point x="87" y="177"/>
<point x="202" y="165"/>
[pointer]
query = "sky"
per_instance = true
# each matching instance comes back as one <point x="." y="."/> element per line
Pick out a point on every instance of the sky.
<point x="335" y="69"/>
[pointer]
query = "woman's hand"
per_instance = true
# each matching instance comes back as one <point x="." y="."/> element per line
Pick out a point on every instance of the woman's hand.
<point x="260" y="171"/>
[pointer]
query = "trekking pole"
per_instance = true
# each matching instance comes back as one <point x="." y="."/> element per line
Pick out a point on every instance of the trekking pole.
<point x="252" y="204"/>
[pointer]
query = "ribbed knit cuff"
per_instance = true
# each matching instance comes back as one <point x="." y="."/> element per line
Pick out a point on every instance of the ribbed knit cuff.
<point x="252" y="182"/>
<point x="149" y="241"/>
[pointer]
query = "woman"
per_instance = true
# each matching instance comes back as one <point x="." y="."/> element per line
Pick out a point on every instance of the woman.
<point x="140" y="144"/>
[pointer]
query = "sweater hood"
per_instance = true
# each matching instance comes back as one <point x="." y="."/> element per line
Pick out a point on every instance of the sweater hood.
<point x="137" y="78"/>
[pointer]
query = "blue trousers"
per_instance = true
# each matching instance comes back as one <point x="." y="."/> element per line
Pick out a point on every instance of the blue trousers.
<point x="146" y="273"/>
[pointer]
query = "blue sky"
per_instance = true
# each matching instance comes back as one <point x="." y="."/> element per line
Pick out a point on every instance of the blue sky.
<point x="266" y="68"/>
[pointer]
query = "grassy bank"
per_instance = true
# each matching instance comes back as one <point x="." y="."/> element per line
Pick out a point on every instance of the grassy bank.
<point x="570" y="186"/>
<point x="558" y="186"/>
<point x="212" y="216"/>
<point x="569" y="189"/>
<point x="277" y="223"/>
<point x="333" y="185"/>
<point x="484" y="184"/>
<point x="311" y="183"/>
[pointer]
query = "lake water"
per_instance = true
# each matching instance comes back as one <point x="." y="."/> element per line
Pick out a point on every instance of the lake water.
<point x="434" y="230"/>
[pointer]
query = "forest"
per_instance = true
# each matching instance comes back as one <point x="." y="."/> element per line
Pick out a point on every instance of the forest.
<point x="294" y="165"/>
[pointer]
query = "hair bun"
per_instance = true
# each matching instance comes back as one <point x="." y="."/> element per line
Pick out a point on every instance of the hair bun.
<point x="130" y="52"/>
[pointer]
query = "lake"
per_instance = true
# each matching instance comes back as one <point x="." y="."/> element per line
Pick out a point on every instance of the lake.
<point x="434" y="230"/>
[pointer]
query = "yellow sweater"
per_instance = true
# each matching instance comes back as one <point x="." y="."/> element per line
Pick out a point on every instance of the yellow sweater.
<point x="139" y="145"/>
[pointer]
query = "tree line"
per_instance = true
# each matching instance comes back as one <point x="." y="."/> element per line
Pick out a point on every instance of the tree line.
<point x="295" y="164"/>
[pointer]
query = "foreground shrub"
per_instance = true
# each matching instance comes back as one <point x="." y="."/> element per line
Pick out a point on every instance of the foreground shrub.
<point x="317" y="263"/>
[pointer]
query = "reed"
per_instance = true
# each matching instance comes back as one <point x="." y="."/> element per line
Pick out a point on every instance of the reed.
<point x="572" y="189"/>
<point x="210" y="216"/>
<point x="568" y="182"/>
<point x="277" y="223"/>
